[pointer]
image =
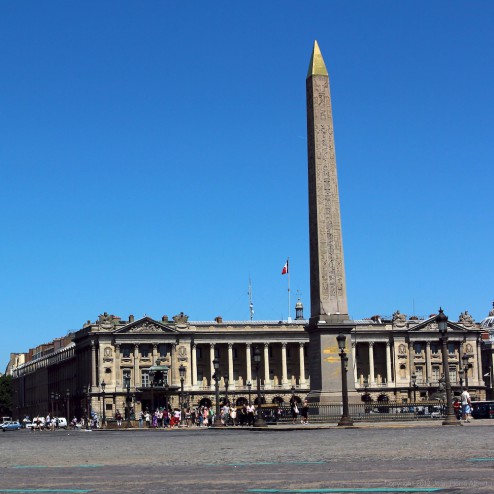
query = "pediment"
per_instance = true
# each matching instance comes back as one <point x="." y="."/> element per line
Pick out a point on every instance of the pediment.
<point x="146" y="325"/>
<point x="430" y="325"/>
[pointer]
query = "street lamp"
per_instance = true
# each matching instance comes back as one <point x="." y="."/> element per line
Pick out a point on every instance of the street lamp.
<point x="414" y="386"/>
<point x="249" y="385"/>
<point x="127" y="400"/>
<point x="260" y="422"/>
<point x="227" y="381"/>
<point x="67" y="396"/>
<point x="462" y="373"/>
<point x="465" y="358"/>
<point x="52" y="398"/>
<point x="103" y="386"/>
<point x="442" y="324"/>
<point x="345" y="419"/>
<point x="181" y="370"/>
<point x="167" y="387"/>
<point x="216" y="376"/>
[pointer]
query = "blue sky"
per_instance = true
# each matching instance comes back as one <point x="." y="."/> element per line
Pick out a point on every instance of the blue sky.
<point x="153" y="157"/>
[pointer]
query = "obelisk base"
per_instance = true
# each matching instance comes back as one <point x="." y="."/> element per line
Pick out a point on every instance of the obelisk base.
<point x="325" y="361"/>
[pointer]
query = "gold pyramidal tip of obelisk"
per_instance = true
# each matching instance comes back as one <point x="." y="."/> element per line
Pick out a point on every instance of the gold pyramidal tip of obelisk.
<point x="317" y="65"/>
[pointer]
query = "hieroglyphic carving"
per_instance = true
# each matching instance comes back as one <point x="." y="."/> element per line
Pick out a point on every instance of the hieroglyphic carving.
<point x="328" y="290"/>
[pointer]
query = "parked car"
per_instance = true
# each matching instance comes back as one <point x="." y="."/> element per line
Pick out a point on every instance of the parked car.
<point x="482" y="409"/>
<point x="11" y="425"/>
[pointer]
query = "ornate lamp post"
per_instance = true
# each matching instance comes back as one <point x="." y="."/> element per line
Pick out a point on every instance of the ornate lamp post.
<point x="227" y="381"/>
<point x="260" y="422"/>
<point x="216" y="376"/>
<point x="103" y="386"/>
<point x="414" y="386"/>
<point x="249" y="386"/>
<point x="67" y="403"/>
<point x="167" y="387"/>
<point x="127" y="401"/>
<point x="52" y="398"/>
<point x="462" y="373"/>
<point x="464" y="359"/>
<point x="442" y="323"/>
<point x="345" y="419"/>
<point x="181" y="370"/>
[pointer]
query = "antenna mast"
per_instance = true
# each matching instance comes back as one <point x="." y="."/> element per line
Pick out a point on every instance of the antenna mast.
<point x="251" y="305"/>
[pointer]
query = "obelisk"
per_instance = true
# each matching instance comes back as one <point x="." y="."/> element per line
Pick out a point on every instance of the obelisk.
<point x="329" y="308"/>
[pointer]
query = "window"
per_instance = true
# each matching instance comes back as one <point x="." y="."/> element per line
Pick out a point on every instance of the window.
<point x="451" y="348"/>
<point x="452" y="374"/>
<point x="199" y="352"/>
<point x="125" y="377"/>
<point x="435" y="374"/>
<point x="434" y="348"/>
<point x="145" y="378"/>
<point x="163" y="350"/>
<point x="216" y="352"/>
<point x="420" y="374"/>
<point x="417" y="347"/>
<point x="235" y="353"/>
<point x="125" y="349"/>
<point x="144" y="351"/>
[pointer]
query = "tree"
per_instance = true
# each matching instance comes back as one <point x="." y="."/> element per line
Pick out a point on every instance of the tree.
<point x="6" y="391"/>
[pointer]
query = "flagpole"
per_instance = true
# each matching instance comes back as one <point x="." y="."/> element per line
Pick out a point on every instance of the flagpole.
<point x="288" y="265"/>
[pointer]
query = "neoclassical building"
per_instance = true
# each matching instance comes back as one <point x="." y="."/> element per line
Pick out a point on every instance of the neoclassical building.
<point x="144" y="362"/>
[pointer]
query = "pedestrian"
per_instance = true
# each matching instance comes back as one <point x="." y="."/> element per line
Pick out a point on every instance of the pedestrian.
<point x="466" y="405"/>
<point x="250" y="414"/>
<point x="141" y="419"/>
<point x="118" y="418"/>
<point x="147" y="418"/>
<point x="294" y="408"/>
<point x="305" y="413"/>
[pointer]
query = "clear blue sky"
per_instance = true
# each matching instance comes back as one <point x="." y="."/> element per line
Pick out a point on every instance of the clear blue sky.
<point x="153" y="156"/>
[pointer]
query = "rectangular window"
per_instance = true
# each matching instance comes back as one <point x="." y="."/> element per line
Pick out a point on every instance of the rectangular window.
<point x="145" y="378"/>
<point x="125" y="377"/>
<point x="144" y="351"/>
<point x="417" y="348"/>
<point x="125" y="349"/>
<point x="199" y="352"/>
<point x="452" y="374"/>
<point x="163" y="350"/>
<point x="434" y="348"/>
<point x="216" y="352"/>
<point x="451" y="348"/>
<point x="235" y="353"/>
<point x="435" y="374"/>
<point x="420" y="374"/>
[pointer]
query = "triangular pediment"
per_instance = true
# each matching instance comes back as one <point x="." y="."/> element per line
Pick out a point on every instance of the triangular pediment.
<point x="430" y="325"/>
<point x="146" y="325"/>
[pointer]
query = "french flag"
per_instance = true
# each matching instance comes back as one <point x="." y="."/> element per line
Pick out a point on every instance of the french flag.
<point x="285" y="268"/>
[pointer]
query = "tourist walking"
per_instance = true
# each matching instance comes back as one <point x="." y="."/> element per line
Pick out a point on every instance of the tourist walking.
<point x="466" y="405"/>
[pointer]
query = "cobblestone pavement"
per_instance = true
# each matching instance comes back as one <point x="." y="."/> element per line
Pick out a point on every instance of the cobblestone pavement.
<point x="392" y="458"/>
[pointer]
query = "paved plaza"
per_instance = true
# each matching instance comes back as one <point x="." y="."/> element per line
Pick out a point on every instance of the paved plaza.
<point x="392" y="458"/>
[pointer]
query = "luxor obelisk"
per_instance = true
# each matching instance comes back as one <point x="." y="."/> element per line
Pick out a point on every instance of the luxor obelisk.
<point x="329" y="309"/>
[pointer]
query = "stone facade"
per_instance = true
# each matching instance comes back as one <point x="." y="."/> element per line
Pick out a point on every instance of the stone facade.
<point x="386" y="353"/>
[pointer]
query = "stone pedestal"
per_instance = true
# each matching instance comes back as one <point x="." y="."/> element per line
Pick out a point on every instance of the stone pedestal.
<point x="325" y="361"/>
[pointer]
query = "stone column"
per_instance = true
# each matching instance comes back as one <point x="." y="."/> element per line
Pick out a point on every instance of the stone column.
<point x="302" y="364"/>
<point x="211" y="358"/>
<point x="389" y="375"/>
<point x="354" y="355"/>
<point x="372" y="379"/>
<point x="480" y="377"/>
<point x="284" y="373"/>
<point x="230" y="366"/>
<point x="154" y="355"/>
<point x="136" y="364"/>
<point x="267" y="381"/>
<point x="428" y="362"/>
<point x="411" y="360"/>
<point x="194" y="365"/>
<point x="94" y="384"/>
<point x="248" y="362"/>
<point x="116" y="370"/>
